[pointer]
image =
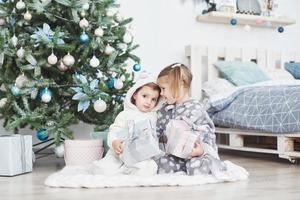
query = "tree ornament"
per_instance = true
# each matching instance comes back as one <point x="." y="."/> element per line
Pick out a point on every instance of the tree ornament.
<point x="233" y="22"/>
<point x="14" y="40"/>
<point x="68" y="60"/>
<point x="2" y="21"/>
<point x="94" y="62"/>
<point x="20" y="81"/>
<point x="247" y="28"/>
<point x="137" y="67"/>
<point x="100" y="106"/>
<point x="280" y="29"/>
<point x="119" y="17"/>
<point x="50" y="123"/>
<point x="85" y="6"/>
<point x="110" y="83"/>
<point x="83" y="23"/>
<point x="118" y="84"/>
<point x="84" y="38"/>
<point x="20" y="5"/>
<point x="3" y="88"/>
<point x="21" y="53"/>
<point x="52" y="59"/>
<point x="109" y="50"/>
<point x="99" y="32"/>
<point x="59" y="150"/>
<point x="123" y="78"/>
<point x="45" y="95"/>
<point x="15" y="91"/>
<point x="82" y="13"/>
<point x="127" y="38"/>
<point x="27" y="16"/>
<point x="42" y="134"/>
<point x="61" y="66"/>
<point x="3" y="102"/>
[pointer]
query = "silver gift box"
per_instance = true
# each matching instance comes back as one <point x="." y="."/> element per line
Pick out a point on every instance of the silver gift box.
<point x="181" y="138"/>
<point x="15" y="154"/>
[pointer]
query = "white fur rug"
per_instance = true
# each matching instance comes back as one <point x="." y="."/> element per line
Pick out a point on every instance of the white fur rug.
<point x="76" y="177"/>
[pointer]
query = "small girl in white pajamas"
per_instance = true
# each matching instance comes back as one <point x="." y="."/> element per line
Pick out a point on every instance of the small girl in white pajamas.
<point x="140" y="103"/>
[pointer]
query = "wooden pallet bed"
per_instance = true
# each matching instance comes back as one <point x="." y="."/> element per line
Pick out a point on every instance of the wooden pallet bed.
<point x="201" y="60"/>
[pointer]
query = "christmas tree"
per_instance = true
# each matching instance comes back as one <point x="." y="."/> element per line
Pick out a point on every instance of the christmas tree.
<point x="61" y="62"/>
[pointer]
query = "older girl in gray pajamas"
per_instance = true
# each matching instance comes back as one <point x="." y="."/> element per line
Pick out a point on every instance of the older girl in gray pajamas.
<point x="175" y="81"/>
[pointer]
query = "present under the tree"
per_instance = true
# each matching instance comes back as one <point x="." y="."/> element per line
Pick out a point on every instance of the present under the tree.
<point x="15" y="154"/>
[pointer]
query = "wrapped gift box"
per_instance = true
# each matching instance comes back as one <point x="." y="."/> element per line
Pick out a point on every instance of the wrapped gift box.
<point x="83" y="152"/>
<point x="15" y="154"/>
<point x="142" y="143"/>
<point x="181" y="138"/>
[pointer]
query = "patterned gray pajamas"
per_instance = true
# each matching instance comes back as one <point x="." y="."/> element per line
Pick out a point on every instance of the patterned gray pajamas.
<point x="209" y="162"/>
<point x="202" y="165"/>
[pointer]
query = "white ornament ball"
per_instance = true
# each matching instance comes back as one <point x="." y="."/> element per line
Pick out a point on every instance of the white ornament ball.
<point x="99" y="32"/>
<point x="14" y="40"/>
<point x="127" y="38"/>
<point x="109" y="50"/>
<point x="119" y="17"/>
<point x="21" y="53"/>
<point x="83" y="23"/>
<point x="100" y="106"/>
<point x="2" y="21"/>
<point x="20" y="5"/>
<point x="2" y="88"/>
<point x="27" y="16"/>
<point x="85" y="6"/>
<point x="20" y="80"/>
<point x="118" y="84"/>
<point x="59" y="151"/>
<point x="94" y="62"/>
<point x="52" y="59"/>
<point x="68" y="60"/>
<point x="46" y="97"/>
<point x="3" y="102"/>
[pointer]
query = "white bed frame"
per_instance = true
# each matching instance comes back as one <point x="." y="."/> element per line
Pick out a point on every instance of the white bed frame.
<point x="201" y="60"/>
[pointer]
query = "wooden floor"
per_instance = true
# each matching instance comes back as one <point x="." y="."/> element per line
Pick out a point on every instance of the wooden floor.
<point x="270" y="178"/>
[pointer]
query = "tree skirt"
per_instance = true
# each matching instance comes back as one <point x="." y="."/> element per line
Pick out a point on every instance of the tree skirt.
<point x="81" y="176"/>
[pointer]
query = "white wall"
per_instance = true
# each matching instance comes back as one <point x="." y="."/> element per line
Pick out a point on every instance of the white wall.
<point x="164" y="27"/>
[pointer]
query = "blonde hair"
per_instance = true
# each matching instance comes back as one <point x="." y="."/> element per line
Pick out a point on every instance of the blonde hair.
<point x="153" y="86"/>
<point x="176" y="74"/>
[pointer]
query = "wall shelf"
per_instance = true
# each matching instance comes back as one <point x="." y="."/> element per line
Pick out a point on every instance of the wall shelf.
<point x="243" y="19"/>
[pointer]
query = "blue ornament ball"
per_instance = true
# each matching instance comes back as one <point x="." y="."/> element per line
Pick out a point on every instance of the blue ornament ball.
<point x="280" y="29"/>
<point x="119" y="99"/>
<point x="45" y="91"/>
<point x="15" y="91"/>
<point x="110" y="83"/>
<point x="42" y="134"/>
<point x="137" y="67"/>
<point x="84" y="38"/>
<point x="233" y="22"/>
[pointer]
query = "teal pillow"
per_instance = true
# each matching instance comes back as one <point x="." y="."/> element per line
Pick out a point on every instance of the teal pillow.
<point x="293" y="68"/>
<point x="241" y="73"/>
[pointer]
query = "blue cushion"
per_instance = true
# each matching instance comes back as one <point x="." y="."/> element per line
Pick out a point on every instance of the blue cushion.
<point x="293" y="68"/>
<point x="241" y="73"/>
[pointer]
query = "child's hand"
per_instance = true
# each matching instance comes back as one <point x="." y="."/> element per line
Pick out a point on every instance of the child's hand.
<point x="197" y="150"/>
<point x="116" y="145"/>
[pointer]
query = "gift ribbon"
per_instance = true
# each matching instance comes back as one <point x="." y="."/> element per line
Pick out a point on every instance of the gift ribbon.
<point x="23" y="159"/>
